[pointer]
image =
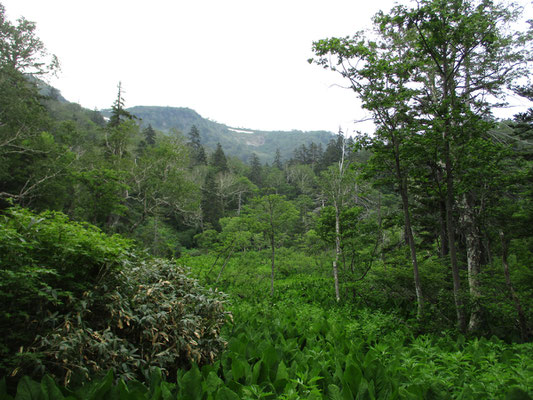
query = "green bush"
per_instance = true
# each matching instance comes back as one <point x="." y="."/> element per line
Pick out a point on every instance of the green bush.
<point x="155" y="315"/>
<point x="75" y="302"/>
<point x="47" y="261"/>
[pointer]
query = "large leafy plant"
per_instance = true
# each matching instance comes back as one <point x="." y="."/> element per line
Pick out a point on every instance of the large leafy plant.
<point x="152" y="315"/>
<point x="48" y="261"/>
<point x="75" y="302"/>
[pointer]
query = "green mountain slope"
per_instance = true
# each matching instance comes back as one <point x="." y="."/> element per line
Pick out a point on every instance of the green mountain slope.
<point x="236" y="142"/>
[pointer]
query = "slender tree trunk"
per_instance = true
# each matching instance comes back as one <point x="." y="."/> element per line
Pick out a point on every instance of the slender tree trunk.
<point x="442" y="229"/>
<point x="337" y="252"/>
<point x="518" y="306"/>
<point x="412" y="248"/>
<point x="380" y="233"/>
<point x="225" y="262"/>
<point x="473" y="240"/>
<point x="272" y="244"/>
<point x="450" y="226"/>
<point x="338" y="204"/>
<point x="473" y="256"/>
<point x="408" y="229"/>
<point x="450" y="201"/>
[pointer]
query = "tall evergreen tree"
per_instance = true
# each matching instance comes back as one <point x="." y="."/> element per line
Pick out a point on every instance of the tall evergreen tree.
<point x="256" y="171"/>
<point x="118" y="113"/>
<point x="218" y="160"/>
<point x="277" y="160"/>
<point x="210" y="203"/>
<point x="198" y="156"/>
<point x="333" y="153"/>
<point x="149" y="135"/>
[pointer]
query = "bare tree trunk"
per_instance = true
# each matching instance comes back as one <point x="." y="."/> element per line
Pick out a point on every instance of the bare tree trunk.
<point x="442" y="229"/>
<point x="380" y="233"/>
<point x="450" y="226"/>
<point x="408" y="229"/>
<point x="412" y="248"/>
<point x="473" y="257"/>
<point x="272" y="244"/>
<point x="337" y="252"/>
<point x="518" y="306"/>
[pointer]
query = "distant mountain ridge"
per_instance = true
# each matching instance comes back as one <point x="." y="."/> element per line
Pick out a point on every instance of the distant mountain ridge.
<point x="238" y="142"/>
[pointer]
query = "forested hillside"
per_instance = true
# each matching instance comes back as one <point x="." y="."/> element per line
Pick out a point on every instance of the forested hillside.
<point x="236" y="142"/>
<point x="142" y="258"/>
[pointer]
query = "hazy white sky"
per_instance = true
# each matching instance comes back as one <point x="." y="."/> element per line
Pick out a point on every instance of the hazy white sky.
<point x="239" y="62"/>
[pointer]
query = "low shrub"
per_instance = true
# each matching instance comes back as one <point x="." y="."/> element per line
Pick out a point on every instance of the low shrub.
<point x="155" y="315"/>
<point x="46" y="262"/>
<point x="75" y="303"/>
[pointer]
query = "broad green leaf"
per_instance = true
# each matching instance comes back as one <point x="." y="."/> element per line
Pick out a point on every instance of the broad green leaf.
<point x="238" y="368"/>
<point x="282" y="373"/>
<point x="156" y="378"/>
<point x="213" y="382"/>
<point x="226" y="394"/>
<point x="28" y="389"/>
<point x="50" y="390"/>
<point x="347" y="393"/>
<point x="191" y="384"/>
<point x="258" y="372"/>
<point x="119" y="391"/>
<point x="270" y="356"/>
<point x="138" y="388"/>
<point x="99" y="389"/>
<point x="353" y="377"/>
<point x="166" y="390"/>
<point x="364" y="392"/>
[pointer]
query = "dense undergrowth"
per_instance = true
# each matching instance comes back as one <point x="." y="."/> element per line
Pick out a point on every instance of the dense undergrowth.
<point x="290" y="350"/>
<point x="146" y="329"/>
<point x="302" y="344"/>
<point x="76" y="303"/>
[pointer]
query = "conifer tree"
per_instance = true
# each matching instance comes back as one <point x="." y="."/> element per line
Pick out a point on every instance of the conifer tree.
<point x="118" y="113"/>
<point x="277" y="160"/>
<point x="198" y="156"/>
<point x="210" y="203"/>
<point x="256" y="170"/>
<point x="218" y="160"/>
<point x="149" y="135"/>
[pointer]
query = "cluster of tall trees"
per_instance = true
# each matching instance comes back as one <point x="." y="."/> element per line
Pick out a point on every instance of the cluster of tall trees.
<point x="440" y="185"/>
<point x="430" y="77"/>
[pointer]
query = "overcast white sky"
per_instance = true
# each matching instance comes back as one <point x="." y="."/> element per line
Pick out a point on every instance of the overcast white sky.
<point x="238" y="62"/>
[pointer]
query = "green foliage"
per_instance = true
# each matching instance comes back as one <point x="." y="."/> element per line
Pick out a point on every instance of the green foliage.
<point x="152" y="314"/>
<point x="240" y="143"/>
<point x="118" y="113"/>
<point x="21" y="49"/>
<point x="198" y="156"/>
<point x="81" y="305"/>
<point x="158" y="238"/>
<point x="299" y="344"/>
<point x="76" y="302"/>
<point x="211" y="203"/>
<point x="100" y="195"/>
<point x="46" y="262"/>
<point x="218" y="160"/>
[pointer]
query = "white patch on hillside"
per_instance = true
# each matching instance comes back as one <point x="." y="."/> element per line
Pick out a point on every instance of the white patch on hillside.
<point x="240" y="131"/>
